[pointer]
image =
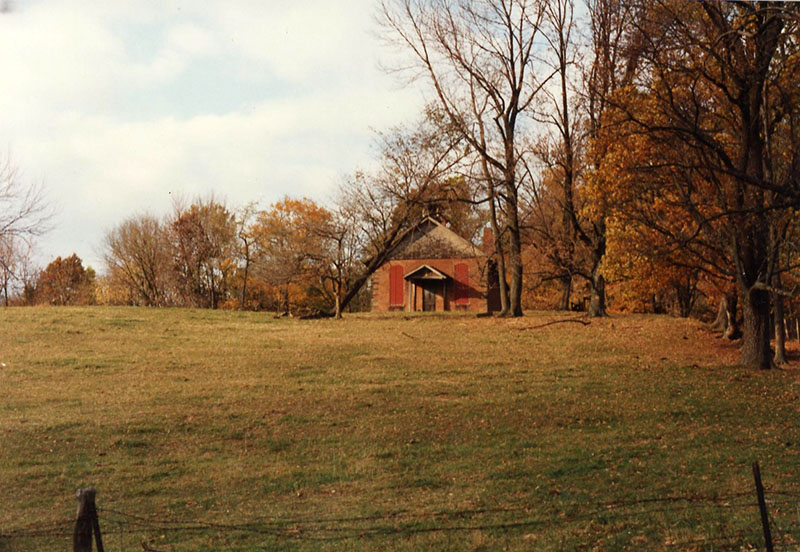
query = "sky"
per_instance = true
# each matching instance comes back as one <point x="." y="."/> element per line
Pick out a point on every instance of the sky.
<point x="116" y="108"/>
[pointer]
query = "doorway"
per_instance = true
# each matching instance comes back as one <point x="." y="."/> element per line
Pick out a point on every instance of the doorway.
<point x="428" y="296"/>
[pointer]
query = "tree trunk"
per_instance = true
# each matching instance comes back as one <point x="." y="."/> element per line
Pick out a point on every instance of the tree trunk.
<point x="720" y="323"/>
<point x="685" y="293"/>
<point x="568" y="218"/>
<point x="515" y="292"/>
<point x="502" y="283"/>
<point x="732" y="330"/>
<point x="780" y="326"/>
<point x="597" y="303"/>
<point x="358" y="283"/>
<point x="515" y="289"/>
<point x="684" y="307"/>
<point x="338" y="299"/>
<point x="498" y="249"/>
<point x="756" y="350"/>
<point x="657" y="304"/>
<point x="566" y="291"/>
<point x="244" y="281"/>
<point x="286" y="305"/>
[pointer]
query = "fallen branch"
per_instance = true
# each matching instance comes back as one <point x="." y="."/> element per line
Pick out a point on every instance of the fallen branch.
<point x="563" y="321"/>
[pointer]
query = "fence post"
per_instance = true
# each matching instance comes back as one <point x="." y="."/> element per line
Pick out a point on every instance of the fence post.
<point x="762" y="506"/>
<point x="86" y="523"/>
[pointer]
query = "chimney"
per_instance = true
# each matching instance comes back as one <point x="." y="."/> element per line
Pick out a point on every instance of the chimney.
<point x="488" y="240"/>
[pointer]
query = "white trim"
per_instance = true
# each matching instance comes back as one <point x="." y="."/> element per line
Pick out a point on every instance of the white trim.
<point x="438" y="274"/>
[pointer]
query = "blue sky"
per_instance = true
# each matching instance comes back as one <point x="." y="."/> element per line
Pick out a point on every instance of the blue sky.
<point x="117" y="107"/>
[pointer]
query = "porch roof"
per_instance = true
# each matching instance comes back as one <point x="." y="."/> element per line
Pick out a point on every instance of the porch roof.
<point x="426" y="272"/>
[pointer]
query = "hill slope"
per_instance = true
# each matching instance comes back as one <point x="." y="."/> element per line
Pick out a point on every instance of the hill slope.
<point x="217" y="430"/>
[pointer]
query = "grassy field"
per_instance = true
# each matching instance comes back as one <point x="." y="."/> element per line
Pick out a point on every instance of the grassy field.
<point x="236" y="431"/>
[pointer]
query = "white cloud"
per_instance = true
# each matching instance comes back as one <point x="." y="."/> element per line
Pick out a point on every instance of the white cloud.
<point x="54" y="56"/>
<point x="97" y="102"/>
<point x="192" y="39"/>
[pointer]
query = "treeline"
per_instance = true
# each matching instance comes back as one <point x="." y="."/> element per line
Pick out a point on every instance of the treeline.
<point x="204" y="256"/>
<point x="645" y="153"/>
<point x="65" y="281"/>
<point x="282" y="258"/>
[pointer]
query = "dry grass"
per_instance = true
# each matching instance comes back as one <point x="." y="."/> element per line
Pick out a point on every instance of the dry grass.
<point x="237" y="431"/>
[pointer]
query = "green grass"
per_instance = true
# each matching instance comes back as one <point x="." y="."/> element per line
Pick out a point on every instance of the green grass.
<point x="220" y="430"/>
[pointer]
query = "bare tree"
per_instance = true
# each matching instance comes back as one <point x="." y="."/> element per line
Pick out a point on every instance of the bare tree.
<point x="480" y="59"/>
<point x="8" y="267"/>
<point x="244" y="216"/>
<point x="24" y="214"/>
<point x="340" y="253"/>
<point x="18" y="273"/>
<point x="554" y="220"/>
<point x="138" y="253"/>
<point x="385" y="205"/>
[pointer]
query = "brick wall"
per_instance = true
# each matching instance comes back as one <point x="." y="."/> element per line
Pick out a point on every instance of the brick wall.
<point x="444" y="301"/>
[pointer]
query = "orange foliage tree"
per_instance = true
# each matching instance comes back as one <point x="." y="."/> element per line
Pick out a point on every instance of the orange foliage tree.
<point x="290" y="251"/>
<point x="706" y="144"/>
<point x="203" y="248"/>
<point x="66" y="282"/>
<point x="656" y="249"/>
<point x="568" y="224"/>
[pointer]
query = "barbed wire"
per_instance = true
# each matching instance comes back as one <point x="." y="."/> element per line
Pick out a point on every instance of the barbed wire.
<point x="408" y="522"/>
<point x="55" y="528"/>
<point x="322" y="527"/>
<point x="598" y="506"/>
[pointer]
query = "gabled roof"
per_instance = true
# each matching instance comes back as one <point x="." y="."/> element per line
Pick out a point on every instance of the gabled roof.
<point x="432" y="239"/>
<point x="426" y="272"/>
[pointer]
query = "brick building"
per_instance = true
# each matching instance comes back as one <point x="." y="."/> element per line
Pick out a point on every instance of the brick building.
<point x="434" y="269"/>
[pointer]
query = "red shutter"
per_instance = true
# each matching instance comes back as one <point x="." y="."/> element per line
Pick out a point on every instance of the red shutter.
<point x="396" y="286"/>
<point x="461" y="284"/>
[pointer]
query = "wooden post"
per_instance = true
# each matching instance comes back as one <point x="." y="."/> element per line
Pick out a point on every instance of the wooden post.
<point x="797" y="326"/>
<point x="82" y="536"/>
<point x="86" y="523"/>
<point x="762" y="506"/>
<point x="98" y="537"/>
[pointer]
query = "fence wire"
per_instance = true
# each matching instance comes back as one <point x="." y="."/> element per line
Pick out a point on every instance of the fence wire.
<point x="124" y="531"/>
